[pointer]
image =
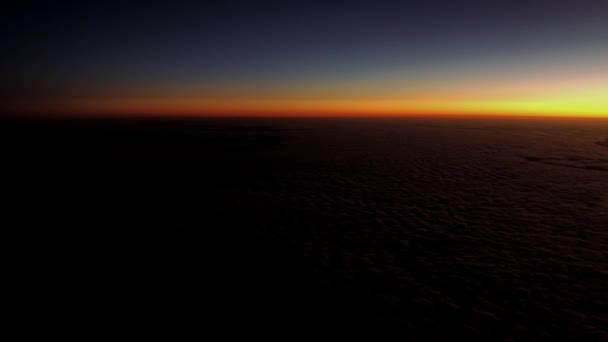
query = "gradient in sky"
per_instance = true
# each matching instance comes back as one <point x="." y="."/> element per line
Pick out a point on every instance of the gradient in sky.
<point x="352" y="57"/>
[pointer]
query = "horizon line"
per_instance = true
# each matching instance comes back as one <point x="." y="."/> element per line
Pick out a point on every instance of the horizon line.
<point x="269" y="115"/>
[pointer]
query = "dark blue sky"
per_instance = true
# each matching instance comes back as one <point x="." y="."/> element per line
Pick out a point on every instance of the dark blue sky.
<point x="113" y="49"/>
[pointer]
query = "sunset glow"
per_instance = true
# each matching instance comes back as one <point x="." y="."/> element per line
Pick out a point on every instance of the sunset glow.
<point x="524" y="59"/>
<point x="568" y="102"/>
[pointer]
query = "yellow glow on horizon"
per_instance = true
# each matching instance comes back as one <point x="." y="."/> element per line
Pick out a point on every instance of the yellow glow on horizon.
<point x="574" y="99"/>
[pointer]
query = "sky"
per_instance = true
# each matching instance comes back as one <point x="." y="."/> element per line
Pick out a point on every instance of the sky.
<point x="321" y="58"/>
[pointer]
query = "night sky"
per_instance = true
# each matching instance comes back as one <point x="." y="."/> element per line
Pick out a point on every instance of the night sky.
<point x="534" y="57"/>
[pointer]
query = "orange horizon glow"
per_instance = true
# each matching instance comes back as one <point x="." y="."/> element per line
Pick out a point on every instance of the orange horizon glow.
<point x="532" y="89"/>
<point x="592" y="104"/>
<point x="495" y="63"/>
<point x="568" y="93"/>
